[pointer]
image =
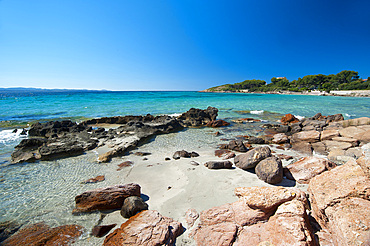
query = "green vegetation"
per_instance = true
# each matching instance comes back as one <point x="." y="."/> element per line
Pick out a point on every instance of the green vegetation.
<point x="345" y="80"/>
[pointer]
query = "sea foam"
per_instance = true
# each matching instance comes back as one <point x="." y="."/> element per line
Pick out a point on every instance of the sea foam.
<point x="8" y="136"/>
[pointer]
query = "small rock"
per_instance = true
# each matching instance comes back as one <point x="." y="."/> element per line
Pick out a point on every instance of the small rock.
<point x="217" y="123"/>
<point x="167" y="159"/>
<point x="218" y="164"/>
<point x="194" y="154"/>
<point x="237" y="145"/>
<point x="133" y="205"/>
<point x="182" y="153"/>
<point x="255" y="140"/>
<point x="124" y="164"/>
<point x="99" y="178"/>
<point x="142" y="153"/>
<point x="194" y="163"/>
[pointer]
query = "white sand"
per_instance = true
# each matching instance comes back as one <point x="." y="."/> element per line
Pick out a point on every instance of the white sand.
<point x="174" y="186"/>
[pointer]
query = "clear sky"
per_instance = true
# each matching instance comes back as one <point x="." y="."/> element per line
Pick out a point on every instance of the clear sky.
<point x="178" y="44"/>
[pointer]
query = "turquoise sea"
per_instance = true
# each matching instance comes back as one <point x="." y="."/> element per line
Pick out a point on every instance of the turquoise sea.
<point x="45" y="191"/>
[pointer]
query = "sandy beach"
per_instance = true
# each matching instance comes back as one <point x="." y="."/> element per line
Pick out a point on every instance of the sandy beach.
<point x="175" y="186"/>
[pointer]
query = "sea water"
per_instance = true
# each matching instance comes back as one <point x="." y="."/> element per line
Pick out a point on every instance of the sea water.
<point x="45" y="190"/>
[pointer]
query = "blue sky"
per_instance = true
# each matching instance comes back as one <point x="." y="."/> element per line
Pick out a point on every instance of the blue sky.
<point x="178" y="45"/>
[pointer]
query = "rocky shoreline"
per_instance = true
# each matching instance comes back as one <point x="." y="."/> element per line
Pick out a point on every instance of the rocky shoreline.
<point x="331" y="209"/>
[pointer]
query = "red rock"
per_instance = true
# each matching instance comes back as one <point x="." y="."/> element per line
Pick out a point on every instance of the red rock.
<point x="269" y="198"/>
<point x="289" y="226"/>
<point x="340" y="203"/>
<point x="222" y="234"/>
<point x="238" y="213"/>
<point x="221" y="152"/>
<point x="147" y="228"/>
<point x="250" y="120"/>
<point x="349" y="221"/>
<point x="289" y="118"/>
<point x="124" y="164"/>
<point x="217" y="123"/>
<point x="102" y="230"/>
<point x="111" y="197"/>
<point x="95" y="180"/>
<point x="306" y="168"/>
<point x="42" y="234"/>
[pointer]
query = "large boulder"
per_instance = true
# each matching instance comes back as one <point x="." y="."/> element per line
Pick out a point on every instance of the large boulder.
<point x="111" y="197"/>
<point x="42" y="234"/>
<point x="306" y="168"/>
<point x="198" y="117"/>
<point x="147" y="228"/>
<point x="340" y="200"/>
<point x="270" y="170"/>
<point x="252" y="157"/>
<point x="133" y="205"/>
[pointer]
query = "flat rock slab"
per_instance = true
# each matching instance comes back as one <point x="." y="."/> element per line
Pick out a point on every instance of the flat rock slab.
<point x="111" y="197"/>
<point x="268" y="198"/>
<point x="289" y="226"/>
<point x="146" y="228"/>
<point x="340" y="203"/>
<point x="306" y="136"/>
<point x="306" y="168"/>
<point x="239" y="224"/>
<point x="42" y="234"/>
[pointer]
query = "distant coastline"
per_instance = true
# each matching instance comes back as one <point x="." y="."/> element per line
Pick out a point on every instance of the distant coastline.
<point x="344" y="93"/>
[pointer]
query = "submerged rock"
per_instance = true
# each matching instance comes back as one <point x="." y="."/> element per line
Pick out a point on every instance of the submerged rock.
<point x="42" y="234"/>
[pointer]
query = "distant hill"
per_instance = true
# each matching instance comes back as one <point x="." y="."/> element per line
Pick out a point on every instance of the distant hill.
<point x="22" y="91"/>
<point x="345" y="80"/>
